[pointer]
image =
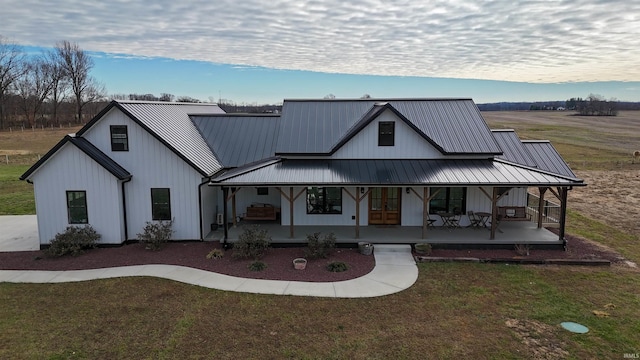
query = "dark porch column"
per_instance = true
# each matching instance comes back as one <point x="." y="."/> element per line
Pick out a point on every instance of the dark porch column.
<point x="425" y="211"/>
<point x="563" y="213"/>
<point x="494" y="213"/>
<point x="225" y="225"/>
<point x="291" y="199"/>
<point x="542" y="190"/>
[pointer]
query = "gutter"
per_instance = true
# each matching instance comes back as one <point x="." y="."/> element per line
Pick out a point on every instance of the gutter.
<point x="200" y="206"/>
<point x="124" y="210"/>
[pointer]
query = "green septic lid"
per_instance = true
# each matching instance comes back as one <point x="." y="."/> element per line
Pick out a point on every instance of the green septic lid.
<point x="575" y="327"/>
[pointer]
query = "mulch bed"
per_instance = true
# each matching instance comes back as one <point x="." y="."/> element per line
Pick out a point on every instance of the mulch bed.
<point x="278" y="260"/>
<point x="577" y="249"/>
<point x="193" y="254"/>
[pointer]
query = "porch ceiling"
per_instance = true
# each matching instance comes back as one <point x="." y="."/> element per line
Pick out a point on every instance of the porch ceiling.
<point x="476" y="172"/>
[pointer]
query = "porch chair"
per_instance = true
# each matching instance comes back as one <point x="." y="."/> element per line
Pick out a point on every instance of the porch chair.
<point x="475" y="221"/>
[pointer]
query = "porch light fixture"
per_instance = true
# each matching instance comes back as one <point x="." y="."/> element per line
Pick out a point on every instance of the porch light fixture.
<point x="362" y="190"/>
<point x="408" y="190"/>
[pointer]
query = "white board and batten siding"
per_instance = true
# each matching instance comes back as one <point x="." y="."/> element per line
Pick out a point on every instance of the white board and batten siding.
<point x="72" y="170"/>
<point x="152" y="165"/>
<point x="408" y="143"/>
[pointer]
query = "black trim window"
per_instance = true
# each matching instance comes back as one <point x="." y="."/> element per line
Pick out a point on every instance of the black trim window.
<point x="119" y="138"/>
<point x="324" y="200"/>
<point x="386" y="130"/>
<point x="449" y="200"/>
<point x="77" y="207"/>
<point x="160" y="204"/>
<point x="263" y="191"/>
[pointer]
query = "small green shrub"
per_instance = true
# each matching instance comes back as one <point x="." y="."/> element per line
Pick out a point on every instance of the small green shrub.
<point x="73" y="241"/>
<point x="257" y="266"/>
<point x="319" y="248"/>
<point x="215" y="254"/>
<point x="155" y="234"/>
<point x="337" y="266"/>
<point x="252" y="243"/>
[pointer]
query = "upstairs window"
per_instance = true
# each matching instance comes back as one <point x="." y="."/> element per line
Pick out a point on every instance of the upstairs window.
<point x="386" y="133"/>
<point x="324" y="200"/>
<point x="77" y="207"/>
<point x="160" y="204"/>
<point x="119" y="138"/>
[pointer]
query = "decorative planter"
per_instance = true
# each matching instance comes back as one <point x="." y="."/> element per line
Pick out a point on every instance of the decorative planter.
<point x="423" y="248"/>
<point x="365" y="248"/>
<point x="299" y="263"/>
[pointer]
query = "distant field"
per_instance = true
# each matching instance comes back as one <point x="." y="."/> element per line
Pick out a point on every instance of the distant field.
<point x="586" y="142"/>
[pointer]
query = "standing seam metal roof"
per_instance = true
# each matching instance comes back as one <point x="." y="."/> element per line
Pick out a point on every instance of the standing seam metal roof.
<point x="314" y="126"/>
<point x="392" y="172"/>
<point x="547" y="157"/>
<point x="512" y="148"/>
<point x="237" y="140"/>
<point x="85" y="146"/>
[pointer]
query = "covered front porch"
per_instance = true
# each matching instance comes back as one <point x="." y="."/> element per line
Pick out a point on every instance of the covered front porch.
<point x="508" y="233"/>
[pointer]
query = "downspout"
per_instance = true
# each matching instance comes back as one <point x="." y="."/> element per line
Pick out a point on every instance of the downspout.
<point x="200" y="205"/>
<point x="124" y="211"/>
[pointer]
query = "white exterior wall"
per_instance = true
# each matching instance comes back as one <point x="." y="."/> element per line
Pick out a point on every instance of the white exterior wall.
<point x="153" y="166"/>
<point x="300" y="216"/>
<point x="245" y="197"/>
<point x="209" y="200"/>
<point x="408" y="144"/>
<point x="72" y="170"/>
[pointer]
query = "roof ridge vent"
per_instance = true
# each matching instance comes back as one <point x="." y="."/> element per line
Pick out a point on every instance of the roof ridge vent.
<point x="380" y="103"/>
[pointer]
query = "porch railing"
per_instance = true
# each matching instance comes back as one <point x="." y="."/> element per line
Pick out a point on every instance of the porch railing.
<point x="550" y="214"/>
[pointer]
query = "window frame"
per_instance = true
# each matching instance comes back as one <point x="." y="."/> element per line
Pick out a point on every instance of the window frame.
<point x="155" y="204"/>
<point x="70" y="219"/>
<point x="119" y="140"/>
<point x="324" y="206"/>
<point x="386" y="137"/>
<point x="448" y="206"/>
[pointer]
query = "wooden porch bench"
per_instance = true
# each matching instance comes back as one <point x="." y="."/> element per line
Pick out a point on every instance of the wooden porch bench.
<point x="259" y="212"/>
<point x="513" y="213"/>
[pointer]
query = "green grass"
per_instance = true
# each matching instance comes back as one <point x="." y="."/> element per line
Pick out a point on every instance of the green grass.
<point x="16" y="196"/>
<point x="453" y="311"/>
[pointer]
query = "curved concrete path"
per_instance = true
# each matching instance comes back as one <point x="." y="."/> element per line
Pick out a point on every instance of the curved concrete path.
<point x="395" y="270"/>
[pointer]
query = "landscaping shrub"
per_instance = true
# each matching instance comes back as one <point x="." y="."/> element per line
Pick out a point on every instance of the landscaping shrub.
<point x="252" y="243"/>
<point x="319" y="248"/>
<point x="257" y="266"/>
<point x="337" y="266"/>
<point x="215" y="254"/>
<point x="73" y="241"/>
<point x="423" y="248"/>
<point x="155" y="234"/>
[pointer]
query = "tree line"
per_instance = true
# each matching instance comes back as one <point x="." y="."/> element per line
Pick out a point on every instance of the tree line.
<point x="47" y="89"/>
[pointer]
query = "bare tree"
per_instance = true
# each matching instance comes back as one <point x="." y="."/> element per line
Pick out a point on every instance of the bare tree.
<point x="77" y="64"/>
<point x="329" y="97"/>
<point x="11" y="59"/>
<point x="59" y="83"/>
<point x="34" y="86"/>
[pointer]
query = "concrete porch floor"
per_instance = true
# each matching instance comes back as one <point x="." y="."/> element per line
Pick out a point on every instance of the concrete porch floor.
<point x="520" y="232"/>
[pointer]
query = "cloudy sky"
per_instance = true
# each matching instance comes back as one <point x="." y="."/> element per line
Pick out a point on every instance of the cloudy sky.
<point x="539" y="47"/>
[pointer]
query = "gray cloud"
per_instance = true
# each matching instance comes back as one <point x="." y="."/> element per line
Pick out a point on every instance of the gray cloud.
<point x="535" y="41"/>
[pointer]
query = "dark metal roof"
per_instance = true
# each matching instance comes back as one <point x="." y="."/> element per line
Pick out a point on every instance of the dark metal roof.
<point x="455" y="126"/>
<point x="512" y="148"/>
<point x="93" y="152"/>
<point x="237" y="140"/>
<point x="171" y="125"/>
<point x="546" y="157"/>
<point x="478" y="172"/>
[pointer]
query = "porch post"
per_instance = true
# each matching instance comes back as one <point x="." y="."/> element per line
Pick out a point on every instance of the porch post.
<point x="563" y="214"/>
<point x="357" y="199"/>
<point x="542" y="190"/>
<point x="494" y="213"/>
<point x="233" y="206"/>
<point x="291" y="199"/>
<point x="425" y="212"/>
<point x="225" y="226"/>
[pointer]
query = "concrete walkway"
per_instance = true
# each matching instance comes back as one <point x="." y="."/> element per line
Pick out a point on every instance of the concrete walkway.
<point x="19" y="233"/>
<point x="395" y="270"/>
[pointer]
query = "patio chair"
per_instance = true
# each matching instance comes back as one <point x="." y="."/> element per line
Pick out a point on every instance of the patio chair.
<point x="475" y="221"/>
